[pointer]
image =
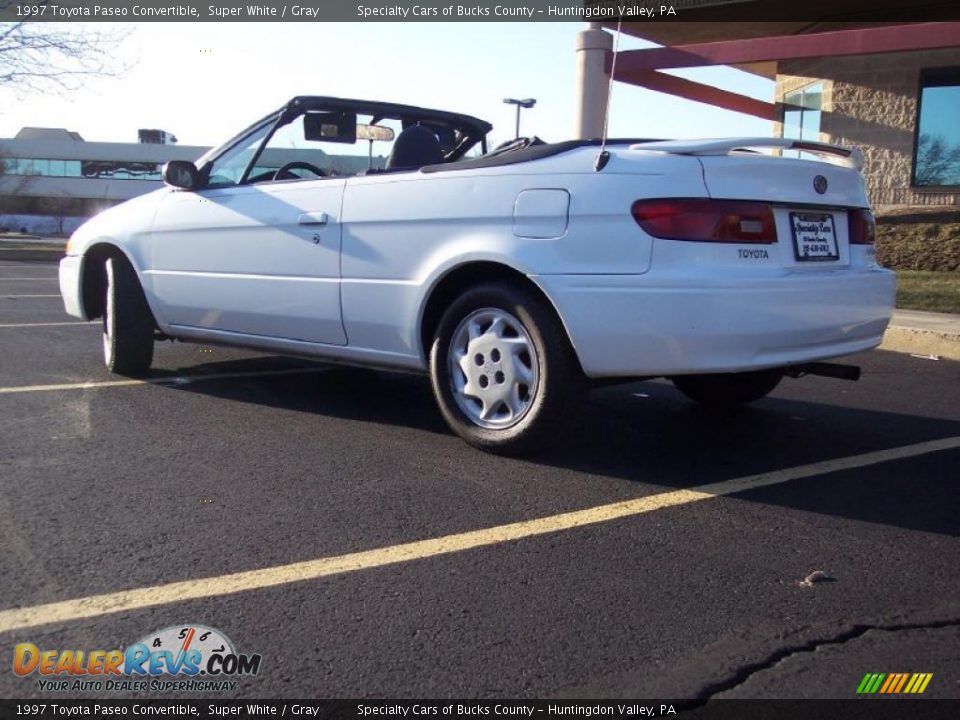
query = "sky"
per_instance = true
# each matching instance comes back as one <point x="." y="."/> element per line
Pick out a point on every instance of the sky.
<point x="205" y="81"/>
<point x="941" y="108"/>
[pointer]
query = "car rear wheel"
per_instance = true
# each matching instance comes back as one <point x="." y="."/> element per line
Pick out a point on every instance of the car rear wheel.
<point x="728" y="389"/>
<point x="502" y="369"/>
<point x="127" y="321"/>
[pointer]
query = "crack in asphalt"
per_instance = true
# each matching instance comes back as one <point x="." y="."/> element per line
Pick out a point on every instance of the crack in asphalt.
<point x="744" y="674"/>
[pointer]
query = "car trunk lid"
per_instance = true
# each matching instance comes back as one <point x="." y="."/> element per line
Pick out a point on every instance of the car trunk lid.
<point x="810" y="198"/>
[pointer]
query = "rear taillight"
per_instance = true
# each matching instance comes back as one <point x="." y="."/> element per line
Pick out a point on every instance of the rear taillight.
<point x="863" y="228"/>
<point x="706" y="220"/>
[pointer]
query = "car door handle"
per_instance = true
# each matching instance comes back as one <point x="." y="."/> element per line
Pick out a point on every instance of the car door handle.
<point x="313" y="218"/>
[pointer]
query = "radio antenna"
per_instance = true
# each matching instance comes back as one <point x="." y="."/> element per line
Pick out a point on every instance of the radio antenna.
<point x="603" y="157"/>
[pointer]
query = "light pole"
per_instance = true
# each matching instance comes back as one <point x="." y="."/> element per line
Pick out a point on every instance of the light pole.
<point x="525" y="103"/>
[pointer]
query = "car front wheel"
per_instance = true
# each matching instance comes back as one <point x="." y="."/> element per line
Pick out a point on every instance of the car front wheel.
<point x="127" y="321"/>
<point x="724" y="390"/>
<point x="501" y="367"/>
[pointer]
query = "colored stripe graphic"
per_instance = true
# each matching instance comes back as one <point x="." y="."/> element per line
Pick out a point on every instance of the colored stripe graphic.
<point x="894" y="683"/>
<point x="919" y="683"/>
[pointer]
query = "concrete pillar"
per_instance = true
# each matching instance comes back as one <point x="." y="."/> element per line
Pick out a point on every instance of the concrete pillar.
<point x="593" y="82"/>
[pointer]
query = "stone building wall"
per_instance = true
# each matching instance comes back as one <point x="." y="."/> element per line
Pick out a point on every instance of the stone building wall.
<point x="871" y="101"/>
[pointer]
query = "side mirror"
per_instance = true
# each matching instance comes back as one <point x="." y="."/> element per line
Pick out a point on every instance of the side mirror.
<point x="181" y="174"/>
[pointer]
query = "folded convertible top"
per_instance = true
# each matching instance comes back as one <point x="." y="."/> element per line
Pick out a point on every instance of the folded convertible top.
<point x="533" y="152"/>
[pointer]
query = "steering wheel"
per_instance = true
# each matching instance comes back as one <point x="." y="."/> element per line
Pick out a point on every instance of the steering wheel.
<point x="283" y="173"/>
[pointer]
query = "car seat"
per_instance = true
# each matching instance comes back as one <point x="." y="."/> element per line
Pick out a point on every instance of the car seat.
<point x="415" y="147"/>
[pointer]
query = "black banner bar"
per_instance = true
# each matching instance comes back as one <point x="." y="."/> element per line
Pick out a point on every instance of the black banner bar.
<point x="814" y="11"/>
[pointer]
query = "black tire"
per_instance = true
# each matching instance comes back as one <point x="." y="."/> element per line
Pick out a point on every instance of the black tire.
<point x="726" y="390"/>
<point x="558" y="380"/>
<point x="127" y="321"/>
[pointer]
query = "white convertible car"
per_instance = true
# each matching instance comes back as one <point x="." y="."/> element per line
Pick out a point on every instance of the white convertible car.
<point x="368" y="233"/>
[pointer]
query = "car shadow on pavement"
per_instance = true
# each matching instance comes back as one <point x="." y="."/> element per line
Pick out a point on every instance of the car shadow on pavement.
<point x="336" y="390"/>
<point x="649" y="433"/>
<point x="664" y="439"/>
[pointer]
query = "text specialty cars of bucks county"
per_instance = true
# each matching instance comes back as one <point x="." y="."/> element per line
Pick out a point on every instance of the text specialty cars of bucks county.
<point x="390" y="236"/>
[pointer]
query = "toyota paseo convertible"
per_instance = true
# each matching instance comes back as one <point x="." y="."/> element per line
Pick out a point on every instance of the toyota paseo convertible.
<point x="388" y="236"/>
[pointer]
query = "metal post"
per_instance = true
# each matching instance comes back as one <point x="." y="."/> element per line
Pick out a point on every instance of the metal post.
<point x="525" y="103"/>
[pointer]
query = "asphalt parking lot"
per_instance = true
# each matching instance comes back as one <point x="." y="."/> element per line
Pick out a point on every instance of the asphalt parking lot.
<point x="325" y="518"/>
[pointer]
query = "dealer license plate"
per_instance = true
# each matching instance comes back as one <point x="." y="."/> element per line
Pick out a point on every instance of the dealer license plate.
<point x="814" y="237"/>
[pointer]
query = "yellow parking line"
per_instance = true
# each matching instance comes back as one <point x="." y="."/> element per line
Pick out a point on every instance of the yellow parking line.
<point x="48" y="324"/>
<point x="174" y="380"/>
<point x="176" y="592"/>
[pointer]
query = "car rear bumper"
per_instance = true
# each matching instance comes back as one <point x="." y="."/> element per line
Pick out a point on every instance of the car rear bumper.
<point x="647" y="325"/>
<point x="70" y="268"/>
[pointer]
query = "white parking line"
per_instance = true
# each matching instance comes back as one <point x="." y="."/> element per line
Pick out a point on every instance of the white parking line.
<point x="49" y="324"/>
<point x="171" y="380"/>
<point x="209" y="587"/>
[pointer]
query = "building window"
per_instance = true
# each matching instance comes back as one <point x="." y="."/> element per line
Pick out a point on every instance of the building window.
<point x="115" y="169"/>
<point x="122" y="170"/>
<point x="801" y="114"/>
<point x="21" y="166"/>
<point x="936" y="158"/>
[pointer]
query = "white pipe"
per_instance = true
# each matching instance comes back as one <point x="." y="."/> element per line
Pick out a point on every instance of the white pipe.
<point x="593" y="82"/>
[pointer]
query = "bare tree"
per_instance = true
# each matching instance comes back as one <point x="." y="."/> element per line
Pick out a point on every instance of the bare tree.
<point x="56" y="210"/>
<point x="13" y="188"/>
<point x="938" y="162"/>
<point x="36" y="56"/>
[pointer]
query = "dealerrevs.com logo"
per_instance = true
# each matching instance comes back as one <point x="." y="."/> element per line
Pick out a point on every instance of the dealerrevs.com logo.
<point x="177" y="658"/>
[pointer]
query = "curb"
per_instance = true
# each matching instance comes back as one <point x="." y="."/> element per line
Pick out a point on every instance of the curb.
<point x="922" y="342"/>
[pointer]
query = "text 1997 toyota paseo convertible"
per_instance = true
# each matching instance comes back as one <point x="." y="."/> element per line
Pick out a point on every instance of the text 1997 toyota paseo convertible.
<point x="387" y="236"/>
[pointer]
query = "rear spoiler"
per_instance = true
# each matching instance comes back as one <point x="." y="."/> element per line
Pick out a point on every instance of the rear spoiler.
<point x="850" y="157"/>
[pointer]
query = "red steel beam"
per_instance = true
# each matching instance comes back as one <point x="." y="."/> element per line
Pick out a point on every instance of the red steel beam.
<point x="681" y="87"/>
<point x="865" y="41"/>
